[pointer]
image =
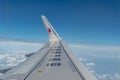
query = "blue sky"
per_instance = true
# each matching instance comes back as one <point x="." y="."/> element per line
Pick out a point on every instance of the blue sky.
<point x="83" y="21"/>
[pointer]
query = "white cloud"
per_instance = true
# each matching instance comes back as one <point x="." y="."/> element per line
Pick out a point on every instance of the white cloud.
<point x="16" y="47"/>
<point x="83" y="59"/>
<point x="1" y="74"/>
<point x="108" y="76"/>
<point x="2" y="56"/>
<point x="90" y="64"/>
<point x="97" y="51"/>
<point x="106" y="56"/>
<point x="116" y="76"/>
<point x="93" y="71"/>
<point x="106" y="48"/>
<point x="80" y="59"/>
<point x="8" y="60"/>
<point x="12" y="53"/>
<point x="110" y="48"/>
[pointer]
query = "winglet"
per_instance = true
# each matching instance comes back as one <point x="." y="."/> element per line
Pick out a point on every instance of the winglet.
<point x="53" y="36"/>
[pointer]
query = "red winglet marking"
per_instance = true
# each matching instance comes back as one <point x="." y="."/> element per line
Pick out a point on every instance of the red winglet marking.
<point x="49" y="30"/>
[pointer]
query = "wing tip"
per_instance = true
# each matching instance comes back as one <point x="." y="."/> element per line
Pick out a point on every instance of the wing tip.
<point x="51" y="31"/>
<point x="42" y="16"/>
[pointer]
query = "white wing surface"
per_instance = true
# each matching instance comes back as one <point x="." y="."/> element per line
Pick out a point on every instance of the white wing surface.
<point x="55" y="61"/>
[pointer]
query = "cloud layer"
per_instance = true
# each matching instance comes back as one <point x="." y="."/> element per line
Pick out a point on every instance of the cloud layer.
<point x="12" y="53"/>
<point x="97" y="59"/>
<point x="102" y="61"/>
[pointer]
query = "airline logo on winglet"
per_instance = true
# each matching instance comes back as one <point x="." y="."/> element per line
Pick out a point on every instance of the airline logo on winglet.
<point x="49" y="30"/>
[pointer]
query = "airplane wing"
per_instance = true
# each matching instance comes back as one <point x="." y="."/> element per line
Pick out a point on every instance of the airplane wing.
<point x="55" y="61"/>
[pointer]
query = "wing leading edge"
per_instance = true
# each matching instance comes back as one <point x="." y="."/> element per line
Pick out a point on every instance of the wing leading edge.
<point x="55" y="61"/>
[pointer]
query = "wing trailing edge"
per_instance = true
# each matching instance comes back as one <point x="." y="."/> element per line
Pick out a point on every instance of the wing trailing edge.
<point x="5" y="70"/>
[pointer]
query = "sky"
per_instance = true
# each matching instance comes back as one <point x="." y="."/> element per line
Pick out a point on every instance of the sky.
<point x="81" y="21"/>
